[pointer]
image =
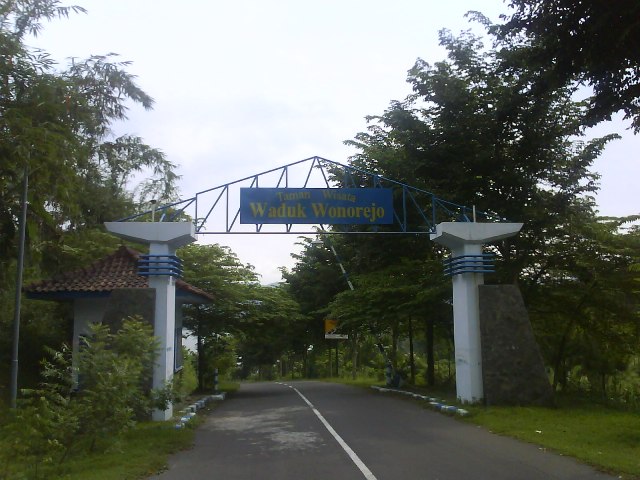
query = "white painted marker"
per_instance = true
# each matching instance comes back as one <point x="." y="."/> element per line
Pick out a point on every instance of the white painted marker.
<point x="352" y="455"/>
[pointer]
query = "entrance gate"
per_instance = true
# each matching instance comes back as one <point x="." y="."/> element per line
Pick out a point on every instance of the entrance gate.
<point x="218" y="210"/>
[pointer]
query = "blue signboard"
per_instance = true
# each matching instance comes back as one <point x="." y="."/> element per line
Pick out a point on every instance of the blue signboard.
<point x="329" y="206"/>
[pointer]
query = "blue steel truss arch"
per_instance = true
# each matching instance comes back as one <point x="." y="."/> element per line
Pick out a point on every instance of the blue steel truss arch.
<point x="217" y="210"/>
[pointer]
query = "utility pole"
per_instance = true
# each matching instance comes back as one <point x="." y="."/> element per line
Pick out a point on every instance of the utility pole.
<point x="18" y="296"/>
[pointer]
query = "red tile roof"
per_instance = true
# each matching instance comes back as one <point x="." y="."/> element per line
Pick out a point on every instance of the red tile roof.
<point x="118" y="270"/>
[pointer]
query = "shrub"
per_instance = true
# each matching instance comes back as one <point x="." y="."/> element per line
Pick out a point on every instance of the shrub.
<point x="114" y="372"/>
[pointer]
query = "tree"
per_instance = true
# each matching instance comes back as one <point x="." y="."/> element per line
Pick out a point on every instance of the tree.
<point x="584" y="305"/>
<point x="114" y="373"/>
<point x="396" y="300"/>
<point x="216" y="270"/>
<point x="595" y="42"/>
<point x="469" y="135"/>
<point x="473" y="133"/>
<point x="313" y="282"/>
<point x="266" y="328"/>
<point x="55" y="129"/>
<point x="395" y="282"/>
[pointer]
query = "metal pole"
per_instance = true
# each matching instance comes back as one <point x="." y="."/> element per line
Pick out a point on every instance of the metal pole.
<point x="153" y="210"/>
<point x="18" y="296"/>
<point x="342" y="269"/>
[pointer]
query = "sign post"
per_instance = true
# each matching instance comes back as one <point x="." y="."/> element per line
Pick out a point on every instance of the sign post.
<point x="330" y="327"/>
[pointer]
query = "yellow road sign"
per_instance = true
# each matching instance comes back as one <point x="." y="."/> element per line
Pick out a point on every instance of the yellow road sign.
<point x="330" y="325"/>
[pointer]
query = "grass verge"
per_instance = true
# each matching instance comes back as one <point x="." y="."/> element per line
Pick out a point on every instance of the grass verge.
<point x="604" y="437"/>
<point x="140" y="453"/>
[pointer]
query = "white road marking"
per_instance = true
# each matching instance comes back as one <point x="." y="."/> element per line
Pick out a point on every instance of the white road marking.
<point x="352" y="455"/>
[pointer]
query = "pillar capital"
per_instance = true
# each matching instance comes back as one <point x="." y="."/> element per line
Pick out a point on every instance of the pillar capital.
<point x="456" y="234"/>
<point x="172" y="234"/>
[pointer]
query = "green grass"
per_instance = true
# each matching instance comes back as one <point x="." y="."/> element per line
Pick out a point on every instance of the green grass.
<point x="141" y="452"/>
<point x="605" y="438"/>
<point x="357" y="382"/>
<point x="137" y="454"/>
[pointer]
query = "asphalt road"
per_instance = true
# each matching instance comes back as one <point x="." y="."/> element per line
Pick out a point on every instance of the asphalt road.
<point x="314" y="430"/>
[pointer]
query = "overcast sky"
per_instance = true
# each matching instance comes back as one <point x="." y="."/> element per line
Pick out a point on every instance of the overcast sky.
<point x="242" y="86"/>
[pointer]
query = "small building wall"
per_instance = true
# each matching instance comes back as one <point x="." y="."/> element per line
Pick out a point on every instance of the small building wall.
<point x="129" y="302"/>
<point x="85" y="312"/>
<point x="112" y="309"/>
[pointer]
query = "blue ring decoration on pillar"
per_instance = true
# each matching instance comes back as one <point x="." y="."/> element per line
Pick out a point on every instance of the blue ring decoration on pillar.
<point x="483" y="263"/>
<point x="153" y="265"/>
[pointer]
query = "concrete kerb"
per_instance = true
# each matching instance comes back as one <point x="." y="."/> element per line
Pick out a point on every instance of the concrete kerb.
<point x="434" y="403"/>
<point x="189" y="412"/>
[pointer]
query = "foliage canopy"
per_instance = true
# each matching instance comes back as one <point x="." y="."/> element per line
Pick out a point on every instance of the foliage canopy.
<point x="595" y="42"/>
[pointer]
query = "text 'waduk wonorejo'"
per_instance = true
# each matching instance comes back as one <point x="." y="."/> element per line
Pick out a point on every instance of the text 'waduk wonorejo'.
<point x="316" y="205"/>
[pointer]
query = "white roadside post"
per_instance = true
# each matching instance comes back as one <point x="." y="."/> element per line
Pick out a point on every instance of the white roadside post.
<point x="465" y="240"/>
<point x="163" y="239"/>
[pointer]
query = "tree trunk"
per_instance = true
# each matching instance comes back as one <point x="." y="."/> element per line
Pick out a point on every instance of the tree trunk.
<point x="412" y="363"/>
<point x="305" y="359"/>
<point x="200" y="349"/>
<point x="394" y="345"/>
<point x="565" y="338"/>
<point x="354" y="355"/>
<point x="557" y="367"/>
<point x="431" y="378"/>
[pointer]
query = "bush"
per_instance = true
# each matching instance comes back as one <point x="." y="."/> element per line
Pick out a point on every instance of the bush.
<point x="185" y="381"/>
<point x="114" y="372"/>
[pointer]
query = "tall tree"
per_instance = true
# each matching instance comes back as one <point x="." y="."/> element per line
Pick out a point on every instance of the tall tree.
<point x="55" y="128"/>
<point x="473" y="133"/>
<point x="469" y="135"/>
<point x="216" y="270"/>
<point x="266" y="328"/>
<point x="595" y="42"/>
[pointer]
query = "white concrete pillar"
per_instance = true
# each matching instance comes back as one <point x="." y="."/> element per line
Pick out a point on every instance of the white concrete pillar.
<point x="163" y="239"/>
<point x="163" y="326"/>
<point x="465" y="239"/>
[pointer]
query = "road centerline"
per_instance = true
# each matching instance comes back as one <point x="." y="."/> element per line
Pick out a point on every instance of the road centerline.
<point x="349" y="451"/>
